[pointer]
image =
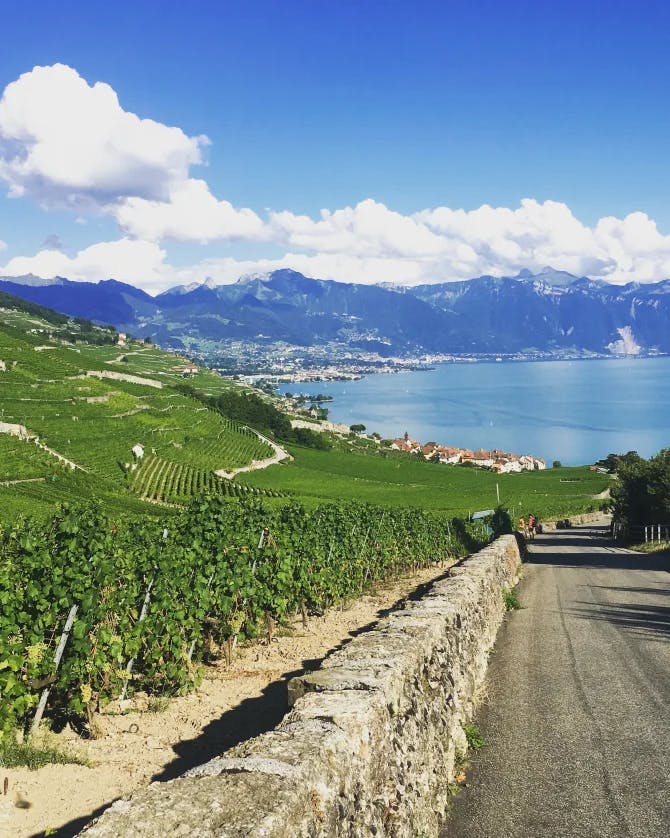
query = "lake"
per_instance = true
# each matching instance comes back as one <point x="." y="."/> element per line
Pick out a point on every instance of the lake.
<point x="572" y="411"/>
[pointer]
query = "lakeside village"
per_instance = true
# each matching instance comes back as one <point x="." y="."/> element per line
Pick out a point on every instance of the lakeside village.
<point x="498" y="461"/>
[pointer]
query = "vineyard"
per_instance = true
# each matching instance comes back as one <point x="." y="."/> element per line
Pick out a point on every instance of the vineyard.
<point x="95" y="423"/>
<point x="411" y="481"/>
<point x="150" y="603"/>
<point x="164" y="481"/>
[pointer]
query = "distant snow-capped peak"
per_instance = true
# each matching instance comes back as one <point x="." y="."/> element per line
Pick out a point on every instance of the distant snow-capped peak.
<point x="191" y="286"/>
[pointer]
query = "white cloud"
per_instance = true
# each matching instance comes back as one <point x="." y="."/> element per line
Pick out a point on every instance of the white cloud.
<point x="369" y="243"/>
<point x="65" y="142"/>
<point x="69" y="144"/>
<point x="369" y="229"/>
<point x="375" y="243"/>
<point x="3" y="245"/>
<point x="137" y="262"/>
<point x="192" y="213"/>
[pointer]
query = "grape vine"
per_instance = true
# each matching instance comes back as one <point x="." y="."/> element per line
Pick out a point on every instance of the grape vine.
<point x="212" y="578"/>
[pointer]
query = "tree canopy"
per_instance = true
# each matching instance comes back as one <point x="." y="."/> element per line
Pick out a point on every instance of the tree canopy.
<point x="642" y="493"/>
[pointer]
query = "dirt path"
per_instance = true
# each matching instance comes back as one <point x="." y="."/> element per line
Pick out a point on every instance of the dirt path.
<point x="279" y="455"/>
<point x="233" y="704"/>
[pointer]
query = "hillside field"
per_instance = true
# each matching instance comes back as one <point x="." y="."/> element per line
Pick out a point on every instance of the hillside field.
<point x="402" y="480"/>
<point x="87" y="424"/>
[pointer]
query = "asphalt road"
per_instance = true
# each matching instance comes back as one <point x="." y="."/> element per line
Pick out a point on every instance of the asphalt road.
<point x="577" y="718"/>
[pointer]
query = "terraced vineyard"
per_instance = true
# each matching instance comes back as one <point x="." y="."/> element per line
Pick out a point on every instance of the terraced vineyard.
<point x="164" y="481"/>
<point x="46" y="386"/>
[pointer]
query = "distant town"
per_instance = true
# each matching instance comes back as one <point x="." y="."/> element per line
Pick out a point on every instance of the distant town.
<point x="499" y="461"/>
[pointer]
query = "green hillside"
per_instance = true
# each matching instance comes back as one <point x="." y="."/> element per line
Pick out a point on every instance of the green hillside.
<point x="72" y="408"/>
<point x="405" y="480"/>
<point x="61" y="395"/>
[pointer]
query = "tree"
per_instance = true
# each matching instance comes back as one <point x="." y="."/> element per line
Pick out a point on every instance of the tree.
<point x="612" y="461"/>
<point x="557" y="464"/>
<point x="357" y="428"/>
<point x="642" y="493"/>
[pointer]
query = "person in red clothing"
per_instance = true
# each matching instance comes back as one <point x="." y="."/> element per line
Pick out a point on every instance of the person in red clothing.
<point x="531" y="526"/>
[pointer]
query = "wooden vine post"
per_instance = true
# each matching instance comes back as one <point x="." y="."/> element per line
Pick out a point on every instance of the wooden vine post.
<point x="57" y="659"/>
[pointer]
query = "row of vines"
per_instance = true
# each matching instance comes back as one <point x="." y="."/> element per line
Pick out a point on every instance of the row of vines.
<point x="219" y="571"/>
<point x="165" y="481"/>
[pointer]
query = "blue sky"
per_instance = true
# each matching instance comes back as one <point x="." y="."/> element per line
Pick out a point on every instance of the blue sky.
<point x="382" y="113"/>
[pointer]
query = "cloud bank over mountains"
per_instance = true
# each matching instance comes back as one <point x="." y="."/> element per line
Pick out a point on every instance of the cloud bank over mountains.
<point x="67" y="144"/>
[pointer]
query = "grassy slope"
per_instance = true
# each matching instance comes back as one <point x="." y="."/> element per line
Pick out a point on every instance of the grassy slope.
<point x="95" y="422"/>
<point x="406" y="481"/>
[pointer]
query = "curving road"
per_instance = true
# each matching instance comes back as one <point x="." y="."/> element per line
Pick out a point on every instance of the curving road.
<point x="577" y="719"/>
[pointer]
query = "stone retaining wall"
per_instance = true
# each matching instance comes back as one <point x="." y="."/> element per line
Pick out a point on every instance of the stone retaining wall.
<point x="370" y="744"/>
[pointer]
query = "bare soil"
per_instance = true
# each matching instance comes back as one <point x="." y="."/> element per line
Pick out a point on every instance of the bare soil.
<point x="234" y="703"/>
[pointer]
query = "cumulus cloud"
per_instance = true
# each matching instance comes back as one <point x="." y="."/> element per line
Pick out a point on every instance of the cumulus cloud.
<point x="370" y="240"/>
<point x="69" y="144"/>
<point x="140" y="263"/>
<point x="369" y="229"/>
<point x="65" y="142"/>
<point x="370" y="243"/>
<point x="191" y="213"/>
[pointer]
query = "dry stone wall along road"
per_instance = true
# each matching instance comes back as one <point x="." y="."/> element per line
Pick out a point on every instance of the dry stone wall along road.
<point x="577" y="720"/>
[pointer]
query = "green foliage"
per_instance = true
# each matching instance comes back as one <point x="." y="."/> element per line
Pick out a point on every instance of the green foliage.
<point x="557" y="464"/>
<point x="405" y="481"/>
<point x="501" y="522"/>
<point x="47" y="314"/>
<point x="475" y="740"/>
<point x="95" y="423"/>
<point x="261" y="413"/>
<point x="357" y="428"/>
<point x="223" y="569"/>
<point x="651" y="547"/>
<point x="311" y="439"/>
<point x="642" y="493"/>
<point x="511" y="600"/>
<point x="249" y="408"/>
<point x="612" y="461"/>
<point x="33" y="755"/>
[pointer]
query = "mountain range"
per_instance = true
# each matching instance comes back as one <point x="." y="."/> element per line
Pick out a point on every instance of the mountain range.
<point x="550" y="312"/>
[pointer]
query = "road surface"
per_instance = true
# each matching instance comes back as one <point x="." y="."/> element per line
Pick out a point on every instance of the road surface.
<point x="577" y="719"/>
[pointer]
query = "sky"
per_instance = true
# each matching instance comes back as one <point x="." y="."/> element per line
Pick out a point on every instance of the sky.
<point x="161" y="143"/>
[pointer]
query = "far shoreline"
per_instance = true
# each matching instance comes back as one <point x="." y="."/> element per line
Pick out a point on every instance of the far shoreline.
<point x="574" y="418"/>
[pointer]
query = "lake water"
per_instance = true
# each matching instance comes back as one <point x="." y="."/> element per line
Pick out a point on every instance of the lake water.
<point x="572" y="411"/>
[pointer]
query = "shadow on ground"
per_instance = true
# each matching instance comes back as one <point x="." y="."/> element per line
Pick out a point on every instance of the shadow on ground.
<point x="248" y="719"/>
<point x="642" y="618"/>
<point x="550" y="549"/>
<point x="649" y="612"/>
